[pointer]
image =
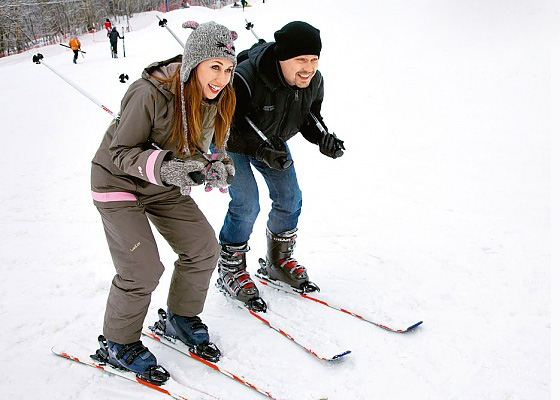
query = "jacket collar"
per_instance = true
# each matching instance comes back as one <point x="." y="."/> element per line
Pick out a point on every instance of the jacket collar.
<point x="166" y="89"/>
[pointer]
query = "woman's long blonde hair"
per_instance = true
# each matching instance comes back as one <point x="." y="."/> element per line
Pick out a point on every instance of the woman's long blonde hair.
<point x="225" y="104"/>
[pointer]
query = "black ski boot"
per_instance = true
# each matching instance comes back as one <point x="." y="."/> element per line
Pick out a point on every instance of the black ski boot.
<point x="133" y="357"/>
<point x="189" y="330"/>
<point x="235" y="281"/>
<point x="280" y="268"/>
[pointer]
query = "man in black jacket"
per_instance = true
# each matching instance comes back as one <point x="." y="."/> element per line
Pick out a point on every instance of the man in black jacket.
<point x="113" y="36"/>
<point x="279" y="93"/>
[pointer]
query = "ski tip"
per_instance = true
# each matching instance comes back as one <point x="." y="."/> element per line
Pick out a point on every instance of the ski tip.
<point x="339" y="356"/>
<point x="416" y="325"/>
<point x="58" y="350"/>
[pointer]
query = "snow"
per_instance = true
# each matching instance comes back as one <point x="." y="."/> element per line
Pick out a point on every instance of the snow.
<point x="439" y="211"/>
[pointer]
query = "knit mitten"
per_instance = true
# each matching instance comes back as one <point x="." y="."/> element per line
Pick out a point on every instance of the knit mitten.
<point x="182" y="173"/>
<point x="219" y="172"/>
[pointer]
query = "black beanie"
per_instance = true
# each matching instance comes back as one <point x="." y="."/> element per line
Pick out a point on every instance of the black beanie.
<point x="295" y="39"/>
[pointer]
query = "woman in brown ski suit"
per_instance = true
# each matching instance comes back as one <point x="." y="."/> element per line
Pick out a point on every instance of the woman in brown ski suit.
<point x="147" y="162"/>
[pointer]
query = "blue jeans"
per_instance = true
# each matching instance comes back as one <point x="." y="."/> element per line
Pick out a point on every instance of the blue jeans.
<point x="244" y="205"/>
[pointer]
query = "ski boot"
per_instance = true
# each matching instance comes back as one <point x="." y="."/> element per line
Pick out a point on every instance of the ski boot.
<point x="280" y="269"/>
<point x="235" y="281"/>
<point x="189" y="330"/>
<point x="133" y="357"/>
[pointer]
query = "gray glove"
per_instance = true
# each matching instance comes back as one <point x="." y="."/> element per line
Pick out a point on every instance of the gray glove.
<point x="182" y="173"/>
<point x="219" y="172"/>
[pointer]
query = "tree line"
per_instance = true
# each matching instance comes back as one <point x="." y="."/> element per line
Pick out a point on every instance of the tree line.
<point x="25" y="24"/>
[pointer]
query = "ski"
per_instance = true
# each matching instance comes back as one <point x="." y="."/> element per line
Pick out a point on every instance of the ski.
<point x="287" y="335"/>
<point x="179" y="346"/>
<point x="131" y="376"/>
<point x="64" y="45"/>
<point x="288" y="289"/>
<point x="283" y="332"/>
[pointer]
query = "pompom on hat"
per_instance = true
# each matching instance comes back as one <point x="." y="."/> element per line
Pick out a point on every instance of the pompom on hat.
<point x="208" y="40"/>
<point x="296" y="39"/>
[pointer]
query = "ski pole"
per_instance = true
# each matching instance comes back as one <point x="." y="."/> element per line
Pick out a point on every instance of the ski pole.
<point x="64" y="45"/>
<point x="249" y="27"/>
<point x="259" y="132"/>
<point x="38" y="59"/>
<point x="123" y="51"/>
<point x="285" y="163"/>
<point x="163" y="23"/>
<point x="338" y="152"/>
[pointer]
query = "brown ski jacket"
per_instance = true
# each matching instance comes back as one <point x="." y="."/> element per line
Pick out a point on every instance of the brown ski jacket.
<point x="128" y="161"/>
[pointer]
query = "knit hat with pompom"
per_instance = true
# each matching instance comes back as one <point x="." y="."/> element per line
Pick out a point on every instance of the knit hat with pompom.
<point x="208" y="40"/>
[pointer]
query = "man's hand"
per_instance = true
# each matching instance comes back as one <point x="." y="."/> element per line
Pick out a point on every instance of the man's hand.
<point x="275" y="157"/>
<point x="331" y="146"/>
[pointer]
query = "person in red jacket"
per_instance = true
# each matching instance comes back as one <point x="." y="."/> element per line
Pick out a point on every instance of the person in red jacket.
<point x="107" y="25"/>
<point x="75" y="45"/>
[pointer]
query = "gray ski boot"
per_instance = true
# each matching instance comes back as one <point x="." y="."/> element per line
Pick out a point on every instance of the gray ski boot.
<point x="279" y="268"/>
<point x="234" y="280"/>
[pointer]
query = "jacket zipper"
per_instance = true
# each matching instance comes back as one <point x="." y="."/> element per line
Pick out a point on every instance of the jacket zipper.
<point x="285" y="112"/>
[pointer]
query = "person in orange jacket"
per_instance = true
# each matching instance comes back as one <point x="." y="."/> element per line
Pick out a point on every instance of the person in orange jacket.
<point x="75" y="45"/>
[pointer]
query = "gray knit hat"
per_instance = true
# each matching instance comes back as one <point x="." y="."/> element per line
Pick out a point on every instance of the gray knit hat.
<point x="208" y="40"/>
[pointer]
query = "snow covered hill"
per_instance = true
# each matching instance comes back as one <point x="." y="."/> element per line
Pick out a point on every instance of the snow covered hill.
<point x="439" y="210"/>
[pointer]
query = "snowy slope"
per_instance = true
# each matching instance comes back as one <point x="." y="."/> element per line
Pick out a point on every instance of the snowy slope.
<point x="439" y="210"/>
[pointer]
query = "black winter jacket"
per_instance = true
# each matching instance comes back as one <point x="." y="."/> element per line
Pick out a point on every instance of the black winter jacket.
<point x="113" y="35"/>
<point x="277" y="109"/>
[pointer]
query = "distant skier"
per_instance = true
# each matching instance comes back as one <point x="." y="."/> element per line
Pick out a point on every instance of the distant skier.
<point x="107" y="25"/>
<point x="113" y="36"/>
<point x="75" y="45"/>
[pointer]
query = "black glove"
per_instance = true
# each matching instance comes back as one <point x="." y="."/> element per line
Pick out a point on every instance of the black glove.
<point x="276" y="156"/>
<point x="331" y="146"/>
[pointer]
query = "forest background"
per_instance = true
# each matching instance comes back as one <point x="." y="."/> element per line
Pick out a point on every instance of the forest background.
<point x="25" y="24"/>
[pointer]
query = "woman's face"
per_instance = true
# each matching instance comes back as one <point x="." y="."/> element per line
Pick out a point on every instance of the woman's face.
<point x="213" y="75"/>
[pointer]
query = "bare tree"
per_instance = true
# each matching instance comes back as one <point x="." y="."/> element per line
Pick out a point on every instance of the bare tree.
<point x="28" y="23"/>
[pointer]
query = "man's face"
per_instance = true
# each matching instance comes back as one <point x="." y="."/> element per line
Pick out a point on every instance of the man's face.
<point x="299" y="70"/>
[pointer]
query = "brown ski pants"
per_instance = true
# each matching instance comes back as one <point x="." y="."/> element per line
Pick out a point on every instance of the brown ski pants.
<point x="135" y="256"/>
